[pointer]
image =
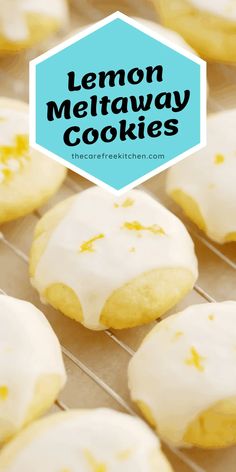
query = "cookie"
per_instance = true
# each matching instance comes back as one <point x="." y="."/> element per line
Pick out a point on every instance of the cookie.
<point x="27" y="177"/>
<point x="85" y="441"/>
<point x="183" y="376"/>
<point x="204" y="184"/>
<point x="112" y="262"/>
<point x="208" y="26"/>
<point x="31" y="366"/>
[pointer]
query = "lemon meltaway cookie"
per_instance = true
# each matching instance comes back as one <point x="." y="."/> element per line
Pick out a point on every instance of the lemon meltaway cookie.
<point x="25" y="22"/>
<point x="204" y="184"/>
<point x="112" y="262"/>
<point x="209" y="26"/>
<point x="27" y="177"/>
<point x="99" y="440"/>
<point x="167" y="33"/>
<point x="31" y="366"/>
<point x="183" y="376"/>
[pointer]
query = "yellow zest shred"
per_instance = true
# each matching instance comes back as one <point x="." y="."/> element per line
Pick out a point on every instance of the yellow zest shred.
<point x="4" y="392"/>
<point x="195" y="360"/>
<point x="219" y="159"/>
<point x="136" y="226"/>
<point x="126" y="203"/>
<point x="18" y="153"/>
<point x="178" y="335"/>
<point x="94" y="464"/>
<point x="87" y="246"/>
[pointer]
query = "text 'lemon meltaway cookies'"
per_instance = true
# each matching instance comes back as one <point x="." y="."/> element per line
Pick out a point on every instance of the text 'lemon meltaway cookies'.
<point x="99" y="440"/>
<point x="112" y="262"/>
<point x="209" y="26"/>
<point x="25" y="22"/>
<point x="27" y="177"/>
<point x="204" y="184"/>
<point x="183" y="376"/>
<point x="31" y="366"/>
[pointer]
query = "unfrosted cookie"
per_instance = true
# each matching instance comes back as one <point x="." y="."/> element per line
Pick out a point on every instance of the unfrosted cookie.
<point x="209" y="26"/>
<point x="26" y="22"/>
<point x="112" y="262"/>
<point x="27" y="177"/>
<point x="99" y="440"/>
<point x="204" y="184"/>
<point x="183" y="376"/>
<point x="31" y="366"/>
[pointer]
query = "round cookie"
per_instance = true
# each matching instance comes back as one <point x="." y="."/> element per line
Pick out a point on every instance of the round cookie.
<point x="112" y="262"/>
<point x="27" y="177"/>
<point x="183" y="376"/>
<point x="31" y="366"/>
<point x="98" y="440"/>
<point x="204" y="184"/>
<point x="208" y="26"/>
<point x="26" y="22"/>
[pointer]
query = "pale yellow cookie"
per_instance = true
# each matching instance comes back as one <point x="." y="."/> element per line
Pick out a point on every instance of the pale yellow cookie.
<point x="31" y="366"/>
<point x="209" y="26"/>
<point x="183" y="376"/>
<point x="112" y="262"/>
<point x="23" y="23"/>
<point x="204" y="184"/>
<point x="98" y="440"/>
<point x="27" y="177"/>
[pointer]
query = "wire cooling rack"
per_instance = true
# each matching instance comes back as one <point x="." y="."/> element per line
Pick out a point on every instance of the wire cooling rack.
<point x="96" y="362"/>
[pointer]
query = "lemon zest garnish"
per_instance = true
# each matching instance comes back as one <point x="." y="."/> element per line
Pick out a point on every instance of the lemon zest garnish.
<point x="18" y="151"/>
<point x="3" y="392"/>
<point x="94" y="464"/>
<point x="195" y="360"/>
<point x="219" y="159"/>
<point x="126" y="203"/>
<point x="124" y="455"/>
<point x="211" y="317"/>
<point x="132" y="249"/>
<point x="136" y="226"/>
<point x="87" y="246"/>
<point x="177" y="335"/>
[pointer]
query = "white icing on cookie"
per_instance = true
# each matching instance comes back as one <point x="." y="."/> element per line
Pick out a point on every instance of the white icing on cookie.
<point x="13" y="21"/>
<point x="209" y="176"/>
<point x="104" y="242"/>
<point x="185" y="366"/>
<point x="225" y="8"/>
<point x="98" y="440"/>
<point x="29" y="349"/>
<point x="14" y="146"/>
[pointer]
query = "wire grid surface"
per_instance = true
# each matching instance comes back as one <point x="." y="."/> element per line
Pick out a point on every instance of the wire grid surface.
<point x="96" y="362"/>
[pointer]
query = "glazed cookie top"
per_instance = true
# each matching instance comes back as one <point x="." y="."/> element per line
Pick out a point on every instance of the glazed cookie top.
<point x="13" y="15"/>
<point x="209" y="176"/>
<point x="225" y="8"/>
<point x="104" y="242"/>
<point x="28" y="349"/>
<point x="197" y="349"/>
<point x="86" y="441"/>
<point x="14" y="142"/>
